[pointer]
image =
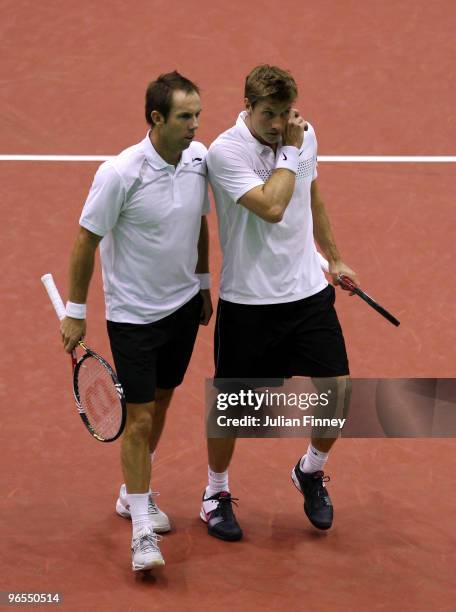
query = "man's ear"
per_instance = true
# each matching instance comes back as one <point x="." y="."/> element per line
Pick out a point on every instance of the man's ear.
<point x="248" y="105"/>
<point x="157" y="118"/>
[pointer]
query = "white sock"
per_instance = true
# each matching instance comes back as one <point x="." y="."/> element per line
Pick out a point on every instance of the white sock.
<point x="138" y="503"/>
<point x="218" y="482"/>
<point x="314" y="460"/>
<point x="125" y="491"/>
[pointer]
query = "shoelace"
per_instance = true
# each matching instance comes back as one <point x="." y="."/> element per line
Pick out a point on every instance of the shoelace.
<point x="146" y="541"/>
<point x="224" y="506"/>
<point x="320" y="478"/>
<point x="153" y="509"/>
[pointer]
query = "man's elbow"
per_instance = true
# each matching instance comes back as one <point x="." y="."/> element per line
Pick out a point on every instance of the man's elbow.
<point x="274" y="215"/>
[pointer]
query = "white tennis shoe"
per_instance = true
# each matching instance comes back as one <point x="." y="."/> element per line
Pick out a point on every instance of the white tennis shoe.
<point x="158" y="519"/>
<point x="145" y="553"/>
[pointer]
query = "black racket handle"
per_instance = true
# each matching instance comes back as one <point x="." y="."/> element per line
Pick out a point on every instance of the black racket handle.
<point x="348" y="284"/>
<point x="377" y="307"/>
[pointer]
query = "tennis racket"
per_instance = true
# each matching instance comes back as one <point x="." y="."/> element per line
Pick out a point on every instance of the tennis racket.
<point x="349" y="285"/>
<point x="98" y="394"/>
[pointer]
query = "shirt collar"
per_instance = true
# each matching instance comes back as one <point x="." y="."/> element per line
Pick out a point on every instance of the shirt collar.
<point x="152" y="156"/>
<point x="156" y="161"/>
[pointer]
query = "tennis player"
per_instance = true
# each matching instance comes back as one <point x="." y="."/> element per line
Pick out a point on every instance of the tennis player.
<point x="147" y="208"/>
<point x="276" y="315"/>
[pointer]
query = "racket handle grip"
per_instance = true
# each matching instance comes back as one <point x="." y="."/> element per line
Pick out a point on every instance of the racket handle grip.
<point x="54" y="295"/>
<point x="347" y="283"/>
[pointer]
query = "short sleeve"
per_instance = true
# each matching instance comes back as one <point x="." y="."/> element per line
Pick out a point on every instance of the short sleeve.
<point x="104" y="202"/>
<point x="230" y="169"/>
<point x="315" y="167"/>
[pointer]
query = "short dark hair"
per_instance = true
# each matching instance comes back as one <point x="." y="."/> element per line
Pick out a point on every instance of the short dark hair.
<point x="159" y="93"/>
<point x="266" y="81"/>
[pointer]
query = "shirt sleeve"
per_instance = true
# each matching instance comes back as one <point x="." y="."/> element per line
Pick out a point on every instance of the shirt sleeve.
<point x="315" y="168"/>
<point x="104" y="202"/>
<point x="230" y="169"/>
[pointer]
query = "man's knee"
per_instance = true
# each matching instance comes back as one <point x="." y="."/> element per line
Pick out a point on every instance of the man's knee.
<point x="335" y="394"/>
<point x="139" y="420"/>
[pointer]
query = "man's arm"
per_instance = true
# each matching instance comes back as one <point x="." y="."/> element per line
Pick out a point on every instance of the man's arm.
<point x="202" y="267"/>
<point x="269" y="201"/>
<point x="81" y="269"/>
<point x="324" y="237"/>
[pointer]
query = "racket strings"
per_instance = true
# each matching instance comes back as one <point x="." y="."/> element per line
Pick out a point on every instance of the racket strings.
<point x="99" y="398"/>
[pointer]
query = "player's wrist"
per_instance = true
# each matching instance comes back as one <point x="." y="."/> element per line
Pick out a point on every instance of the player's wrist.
<point x="288" y="158"/>
<point x="205" y="280"/>
<point x="335" y="261"/>
<point x="76" y="311"/>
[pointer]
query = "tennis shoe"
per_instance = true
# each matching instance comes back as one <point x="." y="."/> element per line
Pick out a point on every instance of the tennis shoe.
<point x="145" y="553"/>
<point x="158" y="519"/>
<point x="317" y="503"/>
<point x="217" y="512"/>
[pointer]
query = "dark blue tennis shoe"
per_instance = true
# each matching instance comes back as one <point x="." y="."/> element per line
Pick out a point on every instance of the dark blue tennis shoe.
<point x="217" y="512"/>
<point x="317" y="503"/>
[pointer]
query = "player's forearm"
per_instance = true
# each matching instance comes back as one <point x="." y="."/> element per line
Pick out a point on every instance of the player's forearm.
<point x="270" y="200"/>
<point x="81" y="265"/>
<point x="202" y="266"/>
<point x="278" y="191"/>
<point x="322" y="231"/>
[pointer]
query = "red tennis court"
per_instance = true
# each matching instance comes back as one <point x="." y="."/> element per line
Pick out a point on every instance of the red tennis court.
<point x="374" y="79"/>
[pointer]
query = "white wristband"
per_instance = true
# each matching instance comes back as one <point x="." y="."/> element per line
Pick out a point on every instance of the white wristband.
<point x="288" y="158"/>
<point x="76" y="311"/>
<point x="205" y="280"/>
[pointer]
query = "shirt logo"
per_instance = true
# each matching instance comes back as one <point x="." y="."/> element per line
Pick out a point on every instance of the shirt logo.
<point x="198" y="160"/>
<point x="284" y="157"/>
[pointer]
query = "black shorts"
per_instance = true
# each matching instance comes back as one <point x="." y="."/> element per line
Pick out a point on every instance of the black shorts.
<point x="275" y="341"/>
<point x="154" y="355"/>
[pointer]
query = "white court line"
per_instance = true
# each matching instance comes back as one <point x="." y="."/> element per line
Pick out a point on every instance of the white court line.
<point x="439" y="159"/>
<point x="389" y="158"/>
<point x="64" y="158"/>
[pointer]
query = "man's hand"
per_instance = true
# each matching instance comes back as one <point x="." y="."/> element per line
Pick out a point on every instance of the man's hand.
<point x="72" y="331"/>
<point x="206" y="309"/>
<point x="293" y="135"/>
<point x="337" y="268"/>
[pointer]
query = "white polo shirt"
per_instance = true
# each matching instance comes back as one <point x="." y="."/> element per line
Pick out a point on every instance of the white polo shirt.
<point x="149" y="214"/>
<point x="263" y="263"/>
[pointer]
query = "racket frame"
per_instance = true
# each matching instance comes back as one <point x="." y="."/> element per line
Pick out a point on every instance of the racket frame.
<point x="89" y="354"/>
<point x="59" y="307"/>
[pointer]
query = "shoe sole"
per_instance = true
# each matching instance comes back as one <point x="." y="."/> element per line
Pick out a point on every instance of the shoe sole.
<point x="295" y="481"/>
<point x="216" y="535"/>
<point x="121" y="511"/>
<point x="157" y="563"/>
